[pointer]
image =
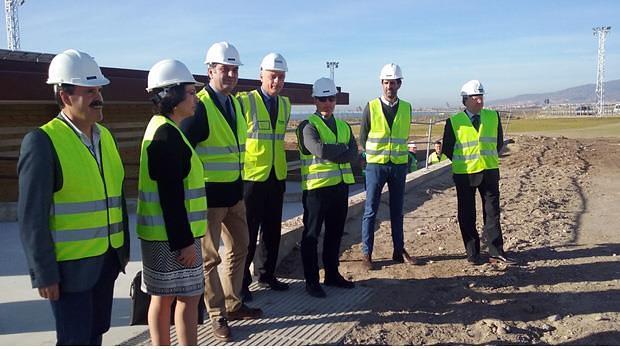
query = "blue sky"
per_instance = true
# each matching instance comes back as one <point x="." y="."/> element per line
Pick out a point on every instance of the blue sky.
<point x="513" y="47"/>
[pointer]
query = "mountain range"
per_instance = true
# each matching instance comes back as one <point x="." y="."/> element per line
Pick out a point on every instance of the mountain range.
<point x="573" y="95"/>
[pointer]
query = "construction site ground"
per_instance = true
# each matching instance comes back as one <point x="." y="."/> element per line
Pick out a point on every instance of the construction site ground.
<point x="559" y="200"/>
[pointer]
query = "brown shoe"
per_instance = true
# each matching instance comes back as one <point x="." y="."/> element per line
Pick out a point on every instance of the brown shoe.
<point x="367" y="262"/>
<point x="221" y="331"/>
<point x="245" y="313"/>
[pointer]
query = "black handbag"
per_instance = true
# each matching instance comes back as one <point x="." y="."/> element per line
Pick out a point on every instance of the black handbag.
<point x="140" y="302"/>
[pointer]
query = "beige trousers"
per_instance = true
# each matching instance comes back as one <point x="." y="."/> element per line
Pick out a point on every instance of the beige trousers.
<point x="222" y="291"/>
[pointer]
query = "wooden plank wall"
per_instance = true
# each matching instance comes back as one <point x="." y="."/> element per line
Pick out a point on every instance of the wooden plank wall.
<point x="26" y="103"/>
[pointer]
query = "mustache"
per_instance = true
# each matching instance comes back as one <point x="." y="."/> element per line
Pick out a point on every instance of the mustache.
<point x="96" y="104"/>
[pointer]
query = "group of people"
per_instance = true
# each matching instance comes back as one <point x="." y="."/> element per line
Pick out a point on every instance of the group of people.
<point x="213" y="170"/>
<point x="433" y="158"/>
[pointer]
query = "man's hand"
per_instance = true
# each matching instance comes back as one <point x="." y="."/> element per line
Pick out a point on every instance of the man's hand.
<point x="50" y="292"/>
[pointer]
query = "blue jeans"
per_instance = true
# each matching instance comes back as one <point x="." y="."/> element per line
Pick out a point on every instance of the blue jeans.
<point x="83" y="317"/>
<point x="376" y="177"/>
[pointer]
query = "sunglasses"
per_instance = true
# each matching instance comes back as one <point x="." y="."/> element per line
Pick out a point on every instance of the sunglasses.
<point x="325" y="99"/>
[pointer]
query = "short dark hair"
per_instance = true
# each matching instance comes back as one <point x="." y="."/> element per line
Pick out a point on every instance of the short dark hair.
<point x="437" y="142"/>
<point x="172" y="97"/>
<point x="66" y="88"/>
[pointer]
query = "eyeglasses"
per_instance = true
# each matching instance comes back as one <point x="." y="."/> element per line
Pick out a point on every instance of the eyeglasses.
<point x="325" y="99"/>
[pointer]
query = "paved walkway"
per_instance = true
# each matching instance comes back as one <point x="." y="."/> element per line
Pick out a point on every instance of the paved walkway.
<point x="290" y="318"/>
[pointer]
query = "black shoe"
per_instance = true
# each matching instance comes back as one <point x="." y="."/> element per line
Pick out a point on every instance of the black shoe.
<point x="339" y="281"/>
<point x="502" y="259"/>
<point x="274" y="284"/>
<point x="315" y="290"/>
<point x="245" y="313"/>
<point x="475" y="260"/>
<point x="404" y="257"/>
<point x="246" y="295"/>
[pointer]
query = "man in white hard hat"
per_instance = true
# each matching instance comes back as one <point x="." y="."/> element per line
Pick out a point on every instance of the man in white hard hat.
<point x="326" y="149"/>
<point x="71" y="210"/>
<point x="218" y="131"/>
<point x="384" y="132"/>
<point x="267" y="114"/>
<point x="472" y="139"/>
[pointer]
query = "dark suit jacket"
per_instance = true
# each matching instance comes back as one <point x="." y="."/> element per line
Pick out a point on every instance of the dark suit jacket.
<point x="474" y="179"/>
<point x="40" y="176"/>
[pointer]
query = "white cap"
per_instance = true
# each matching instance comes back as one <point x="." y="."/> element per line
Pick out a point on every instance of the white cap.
<point x="472" y="87"/>
<point x="411" y="144"/>
<point x="274" y="61"/>
<point x="169" y="72"/>
<point x="391" y="72"/>
<point x="324" y="87"/>
<point x="75" y="68"/>
<point x="223" y="53"/>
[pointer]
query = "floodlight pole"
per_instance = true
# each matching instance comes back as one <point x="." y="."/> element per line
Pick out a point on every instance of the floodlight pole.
<point x="332" y="65"/>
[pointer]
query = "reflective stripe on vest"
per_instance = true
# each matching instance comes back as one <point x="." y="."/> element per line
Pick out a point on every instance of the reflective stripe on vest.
<point x="383" y="144"/>
<point x="150" y="221"/>
<point x="475" y="151"/>
<point x="223" y="152"/>
<point x="319" y="173"/>
<point x="86" y="214"/>
<point x="264" y="145"/>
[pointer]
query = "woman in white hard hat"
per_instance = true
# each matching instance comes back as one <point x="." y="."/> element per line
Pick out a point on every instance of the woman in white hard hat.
<point x="172" y="207"/>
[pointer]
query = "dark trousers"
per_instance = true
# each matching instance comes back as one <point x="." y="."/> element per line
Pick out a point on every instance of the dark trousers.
<point x="83" y="317"/>
<point x="466" y="195"/>
<point x="263" y="202"/>
<point x="324" y="205"/>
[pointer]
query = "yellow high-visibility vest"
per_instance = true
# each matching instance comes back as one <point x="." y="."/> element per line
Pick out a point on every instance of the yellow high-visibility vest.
<point x="433" y="158"/>
<point x="86" y="214"/>
<point x="319" y="173"/>
<point x="264" y="146"/>
<point x="222" y="154"/>
<point x="475" y="151"/>
<point x="385" y="144"/>
<point x="151" y="225"/>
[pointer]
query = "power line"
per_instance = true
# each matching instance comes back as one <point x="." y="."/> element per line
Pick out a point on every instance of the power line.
<point x="601" y="32"/>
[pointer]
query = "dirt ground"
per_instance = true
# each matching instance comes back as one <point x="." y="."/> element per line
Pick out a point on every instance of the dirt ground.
<point x="559" y="200"/>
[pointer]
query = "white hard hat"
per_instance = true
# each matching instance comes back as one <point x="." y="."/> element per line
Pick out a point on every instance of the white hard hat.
<point x="223" y="53"/>
<point x="75" y="68"/>
<point x="169" y="72"/>
<point x="391" y="72"/>
<point x="274" y="61"/>
<point x="412" y="144"/>
<point x="472" y="87"/>
<point x="324" y="87"/>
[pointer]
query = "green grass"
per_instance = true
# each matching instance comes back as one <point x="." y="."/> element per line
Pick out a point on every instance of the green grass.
<point x="541" y="125"/>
